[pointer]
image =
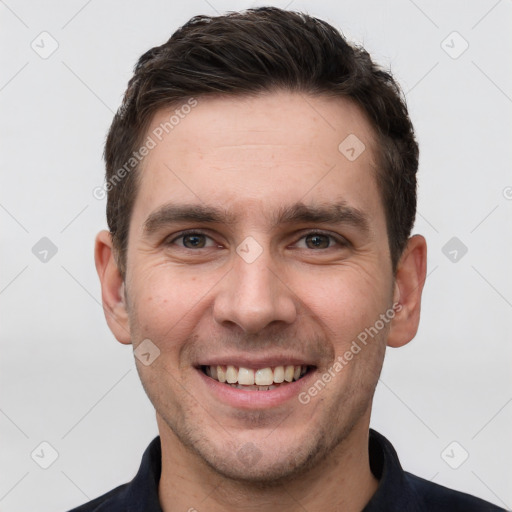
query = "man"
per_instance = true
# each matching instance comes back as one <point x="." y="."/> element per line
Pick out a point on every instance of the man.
<point x="261" y="179"/>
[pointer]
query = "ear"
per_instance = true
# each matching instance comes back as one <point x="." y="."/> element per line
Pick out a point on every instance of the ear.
<point x="112" y="288"/>
<point x="409" y="281"/>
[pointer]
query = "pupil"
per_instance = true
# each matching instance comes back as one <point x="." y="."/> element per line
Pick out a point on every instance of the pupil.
<point x="318" y="241"/>
<point x="193" y="241"/>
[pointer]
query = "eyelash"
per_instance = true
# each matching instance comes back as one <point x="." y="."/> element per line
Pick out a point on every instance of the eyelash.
<point x="339" y="240"/>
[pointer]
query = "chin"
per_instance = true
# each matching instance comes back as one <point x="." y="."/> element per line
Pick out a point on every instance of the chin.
<point x="265" y="466"/>
<point x="262" y="474"/>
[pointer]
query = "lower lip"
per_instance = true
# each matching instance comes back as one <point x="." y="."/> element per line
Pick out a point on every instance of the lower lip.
<point x="252" y="399"/>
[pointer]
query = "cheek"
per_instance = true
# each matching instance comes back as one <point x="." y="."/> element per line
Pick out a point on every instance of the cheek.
<point x="346" y="300"/>
<point x="165" y="302"/>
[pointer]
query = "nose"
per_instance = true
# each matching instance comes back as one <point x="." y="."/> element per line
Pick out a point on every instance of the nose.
<point x="252" y="296"/>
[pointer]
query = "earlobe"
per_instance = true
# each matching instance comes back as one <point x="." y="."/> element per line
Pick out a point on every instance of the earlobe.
<point x="409" y="281"/>
<point x="112" y="288"/>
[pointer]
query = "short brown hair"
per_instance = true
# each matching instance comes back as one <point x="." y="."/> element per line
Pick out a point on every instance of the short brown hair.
<point x="258" y="50"/>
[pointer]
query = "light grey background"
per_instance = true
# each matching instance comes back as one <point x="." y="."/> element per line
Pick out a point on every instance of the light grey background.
<point x="63" y="377"/>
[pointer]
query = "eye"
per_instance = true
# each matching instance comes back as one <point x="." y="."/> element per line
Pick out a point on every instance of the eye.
<point x="319" y="240"/>
<point x="193" y="240"/>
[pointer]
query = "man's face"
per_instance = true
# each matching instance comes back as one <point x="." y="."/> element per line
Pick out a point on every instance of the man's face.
<point x="256" y="243"/>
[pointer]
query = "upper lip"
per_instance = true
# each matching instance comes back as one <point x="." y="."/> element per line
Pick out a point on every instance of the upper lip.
<point x="255" y="361"/>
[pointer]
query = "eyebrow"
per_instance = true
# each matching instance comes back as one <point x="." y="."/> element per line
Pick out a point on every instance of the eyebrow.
<point x="332" y="213"/>
<point x="172" y="213"/>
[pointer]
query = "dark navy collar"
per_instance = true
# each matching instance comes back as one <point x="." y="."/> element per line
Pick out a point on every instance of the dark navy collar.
<point x="394" y="492"/>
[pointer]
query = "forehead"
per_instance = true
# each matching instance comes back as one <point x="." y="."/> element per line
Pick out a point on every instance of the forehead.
<point x="249" y="154"/>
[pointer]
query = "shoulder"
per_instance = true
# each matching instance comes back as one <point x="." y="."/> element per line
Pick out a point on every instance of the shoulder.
<point x="439" y="498"/>
<point x="139" y="494"/>
<point x="401" y="490"/>
<point x="111" y="501"/>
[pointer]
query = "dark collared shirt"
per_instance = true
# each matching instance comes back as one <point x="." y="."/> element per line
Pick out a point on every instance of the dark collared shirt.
<point x="398" y="490"/>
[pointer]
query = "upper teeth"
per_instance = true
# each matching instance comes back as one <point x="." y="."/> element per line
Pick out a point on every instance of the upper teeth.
<point x="260" y="377"/>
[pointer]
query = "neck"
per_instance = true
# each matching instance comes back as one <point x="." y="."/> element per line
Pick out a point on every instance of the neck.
<point x="343" y="479"/>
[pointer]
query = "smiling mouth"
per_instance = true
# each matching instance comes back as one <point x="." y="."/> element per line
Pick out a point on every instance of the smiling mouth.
<point x="256" y="379"/>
